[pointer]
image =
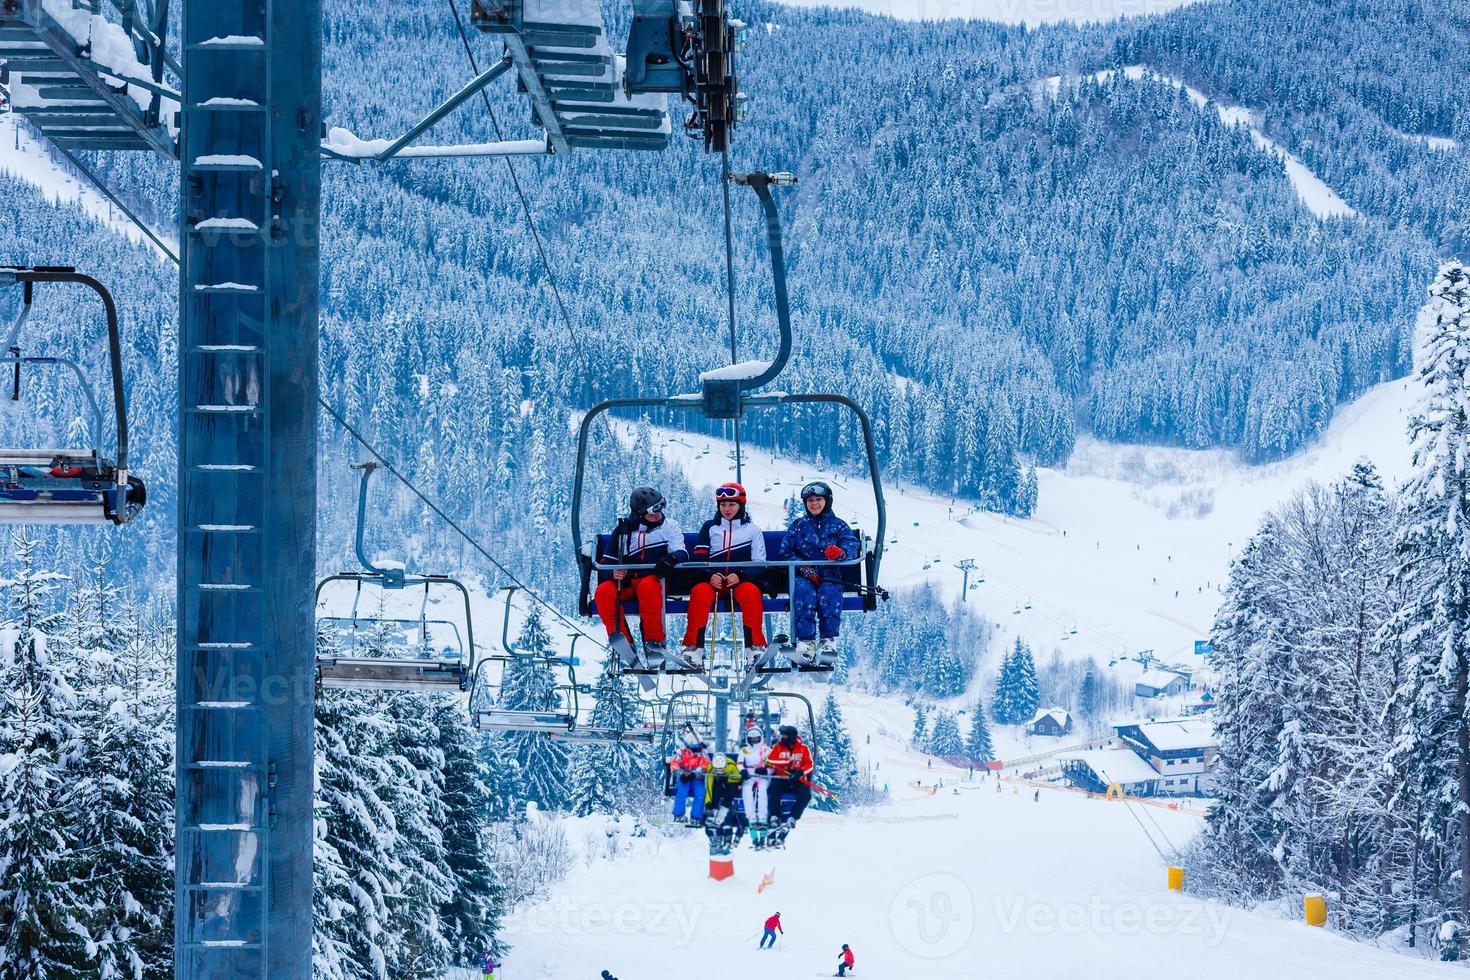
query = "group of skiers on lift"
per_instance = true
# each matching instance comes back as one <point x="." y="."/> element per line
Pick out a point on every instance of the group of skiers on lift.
<point x="706" y="786"/>
<point x="649" y="536"/>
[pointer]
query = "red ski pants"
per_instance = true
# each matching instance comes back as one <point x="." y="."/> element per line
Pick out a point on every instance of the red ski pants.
<point x="702" y="600"/>
<point x="649" y="591"/>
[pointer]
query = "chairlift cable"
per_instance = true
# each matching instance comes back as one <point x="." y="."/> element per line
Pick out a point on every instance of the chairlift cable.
<point x="451" y="522"/>
<point x="387" y="464"/>
<point x="515" y="180"/>
<point x="117" y="202"/>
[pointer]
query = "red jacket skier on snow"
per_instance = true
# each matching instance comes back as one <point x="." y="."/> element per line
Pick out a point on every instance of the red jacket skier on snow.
<point x="774" y="922"/>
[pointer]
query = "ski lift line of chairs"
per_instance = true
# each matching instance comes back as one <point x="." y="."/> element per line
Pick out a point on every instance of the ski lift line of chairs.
<point x="388" y="673"/>
<point x="561" y="725"/>
<point x="67" y="486"/>
<point x="701" y="722"/>
<point x="726" y="395"/>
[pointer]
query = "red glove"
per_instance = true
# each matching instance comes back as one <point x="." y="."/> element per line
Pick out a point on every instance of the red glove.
<point x="834" y="553"/>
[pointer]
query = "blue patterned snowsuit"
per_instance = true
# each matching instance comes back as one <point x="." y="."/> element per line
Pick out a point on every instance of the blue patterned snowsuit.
<point x="807" y="539"/>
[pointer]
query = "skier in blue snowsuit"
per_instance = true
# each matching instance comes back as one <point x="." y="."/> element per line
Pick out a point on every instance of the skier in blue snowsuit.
<point x="818" y="535"/>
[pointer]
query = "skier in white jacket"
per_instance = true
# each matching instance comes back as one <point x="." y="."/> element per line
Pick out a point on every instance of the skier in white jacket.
<point x="753" y="766"/>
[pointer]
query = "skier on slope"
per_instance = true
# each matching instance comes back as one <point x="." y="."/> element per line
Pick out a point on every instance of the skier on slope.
<point x="818" y="535"/>
<point x="757" y="782"/>
<point x="608" y="976"/>
<point x="791" y="768"/>
<point x="773" y="926"/>
<point x="645" y="537"/>
<point x="687" y="768"/>
<point x="488" y="965"/>
<point x="844" y="961"/>
<point x="729" y="536"/>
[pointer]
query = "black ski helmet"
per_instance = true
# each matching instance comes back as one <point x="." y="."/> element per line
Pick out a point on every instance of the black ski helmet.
<point x="788" y="731"/>
<point x="818" y="488"/>
<point x="645" y="500"/>
<point x="844" y="946"/>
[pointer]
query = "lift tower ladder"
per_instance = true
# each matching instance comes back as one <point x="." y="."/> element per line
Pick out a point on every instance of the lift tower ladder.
<point x="72" y="75"/>
<point x="250" y="179"/>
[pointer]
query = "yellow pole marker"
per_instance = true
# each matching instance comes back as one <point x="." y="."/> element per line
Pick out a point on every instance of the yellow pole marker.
<point x="1176" y="879"/>
<point x="1314" y="906"/>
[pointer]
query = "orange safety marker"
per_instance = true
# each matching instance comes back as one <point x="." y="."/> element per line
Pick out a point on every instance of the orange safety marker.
<point x="721" y="868"/>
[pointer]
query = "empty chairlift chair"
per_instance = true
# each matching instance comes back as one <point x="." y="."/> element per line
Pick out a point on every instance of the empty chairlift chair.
<point x="374" y="649"/>
<point x="66" y="486"/>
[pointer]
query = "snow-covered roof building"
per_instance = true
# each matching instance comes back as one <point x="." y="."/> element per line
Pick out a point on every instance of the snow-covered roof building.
<point x="1158" y="683"/>
<point x="1050" y="721"/>
<point x="1097" y="769"/>
<point x="1180" y="750"/>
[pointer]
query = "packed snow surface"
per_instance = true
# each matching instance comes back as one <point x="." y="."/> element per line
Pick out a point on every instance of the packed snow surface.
<point x="1029" y="12"/>
<point x="958" y="881"/>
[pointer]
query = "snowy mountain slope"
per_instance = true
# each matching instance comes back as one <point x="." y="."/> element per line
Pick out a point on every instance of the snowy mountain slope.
<point x="25" y="157"/>
<point x="1029" y="12"/>
<point x="1319" y="198"/>
<point x="1129" y="545"/>
<point x="966" y="882"/>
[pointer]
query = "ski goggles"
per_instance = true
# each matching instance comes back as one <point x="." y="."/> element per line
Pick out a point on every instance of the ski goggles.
<point x="727" y="493"/>
<point x="655" y="508"/>
<point x="815" y="490"/>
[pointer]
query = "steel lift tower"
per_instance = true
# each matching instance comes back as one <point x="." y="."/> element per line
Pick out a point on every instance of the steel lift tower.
<point x="251" y="192"/>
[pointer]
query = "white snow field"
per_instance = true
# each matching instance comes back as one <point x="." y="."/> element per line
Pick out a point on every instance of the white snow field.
<point x="966" y="883"/>
<point x="1029" y="12"/>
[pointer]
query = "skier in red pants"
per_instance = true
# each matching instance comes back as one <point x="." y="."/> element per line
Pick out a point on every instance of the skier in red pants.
<point x="844" y="960"/>
<point x="645" y="537"/>
<point x="730" y="536"/>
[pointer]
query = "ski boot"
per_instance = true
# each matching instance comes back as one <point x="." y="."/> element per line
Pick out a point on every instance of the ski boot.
<point x="692" y="658"/>
<point x="656" y="654"/>
<point x="758" y="831"/>
<point x="827" y="652"/>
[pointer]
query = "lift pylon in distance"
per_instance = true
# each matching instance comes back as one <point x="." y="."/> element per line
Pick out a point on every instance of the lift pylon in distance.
<point x="374" y="650"/>
<point x="65" y="486"/>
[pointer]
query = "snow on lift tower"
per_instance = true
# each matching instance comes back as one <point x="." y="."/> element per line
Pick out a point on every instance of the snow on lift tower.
<point x="586" y="95"/>
<point x="67" y="486"/>
<point x="726" y="394"/>
<point x="434" y="656"/>
<point x="87" y="83"/>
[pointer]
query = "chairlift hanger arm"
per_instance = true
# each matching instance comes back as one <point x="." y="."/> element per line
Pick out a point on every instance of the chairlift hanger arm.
<point x="761" y="183"/>
<point x="114" y="344"/>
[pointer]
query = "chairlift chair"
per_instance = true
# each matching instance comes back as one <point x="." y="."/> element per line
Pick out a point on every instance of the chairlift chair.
<point x="727" y="394"/>
<point x="420" y="671"/>
<point x="67" y="486"/>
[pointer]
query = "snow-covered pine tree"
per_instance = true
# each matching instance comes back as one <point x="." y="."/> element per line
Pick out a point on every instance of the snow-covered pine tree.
<point x="424" y="882"/>
<point x="507" y="787"/>
<point x="978" y="747"/>
<point x="920" y="736"/>
<point x="472" y="913"/>
<point x="356" y="839"/>
<point x="1087" y="698"/>
<point x="530" y="685"/>
<point x="121" y="797"/>
<point x="1027" y="695"/>
<point x="41" y="912"/>
<point x="1433" y="545"/>
<point x="945" y="740"/>
<point x="1003" y="704"/>
<point x="837" y="767"/>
